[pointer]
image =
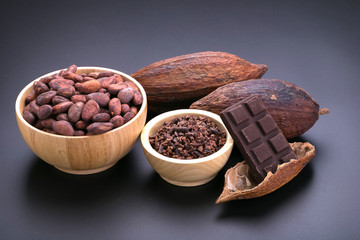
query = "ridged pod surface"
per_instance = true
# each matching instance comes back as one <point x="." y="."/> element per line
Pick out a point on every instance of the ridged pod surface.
<point x="176" y="82"/>
<point x="292" y="108"/>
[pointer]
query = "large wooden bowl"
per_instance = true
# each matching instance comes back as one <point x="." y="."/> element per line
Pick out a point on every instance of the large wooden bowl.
<point x="85" y="154"/>
<point x="181" y="172"/>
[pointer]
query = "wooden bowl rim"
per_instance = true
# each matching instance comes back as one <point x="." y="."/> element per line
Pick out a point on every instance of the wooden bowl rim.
<point x="128" y="77"/>
<point x="180" y="112"/>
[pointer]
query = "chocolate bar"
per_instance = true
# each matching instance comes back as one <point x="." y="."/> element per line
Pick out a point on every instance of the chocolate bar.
<point x="257" y="136"/>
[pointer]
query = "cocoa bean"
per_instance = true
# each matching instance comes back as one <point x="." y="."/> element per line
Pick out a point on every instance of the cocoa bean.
<point x="73" y="76"/>
<point x="81" y="124"/>
<point x="128" y="116"/>
<point x="137" y="98"/>
<point x="125" y="95"/>
<point x="72" y="68"/>
<point x="74" y="113"/>
<point x="292" y="108"/>
<point x="56" y="83"/>
<point x="78" y="98"/>
<point x="44" y="111"/>
<point x="49" y="130"/>
<point x="40" y="87"/>
<point x="101" y="98"/>
<point x="63" y="128"/>
<point x="134" y="109"/>
<point x="101" y="117"/>
<point x="106" y="81"/>
<point x="32" y="96"/>
<point x="125" y="108"/>
<point x="99" y="127"/>
<point x="34" y="108"/>
<point x="59" y="99"/>
<point x="79" y="133"/>
<point x="118" y="78"/>
<point x="86" y="78"/>
<point x="89" y="110"/>
<point x="115" y="107"/>
<point x="45" y="97"/>
<point x="94" y="75"/>
<point x="114" y="89"/>
<point x="29" y="117"/>
<point x="66" y="91"/>
<point x="47" y="123"/>
<point x="117" y="121"/>
<point x="88" y="87"/>
<point x="47" y="79"/>
<point x="105" y="74"/>
<point x="132" y="85"/>
<point x="62" y="107"/>
<point x="62" y="116"/>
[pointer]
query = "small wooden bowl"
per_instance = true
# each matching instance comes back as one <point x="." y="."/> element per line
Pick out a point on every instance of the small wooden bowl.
<point x="85" y="154"/>
<point x="181" y="172"/>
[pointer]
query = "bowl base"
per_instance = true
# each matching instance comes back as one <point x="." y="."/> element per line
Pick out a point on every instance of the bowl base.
<point x="188" y="184"/>
<point x="85" y="172"/>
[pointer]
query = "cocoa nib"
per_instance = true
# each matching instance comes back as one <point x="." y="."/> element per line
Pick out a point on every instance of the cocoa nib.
<point x="188" y="137"/>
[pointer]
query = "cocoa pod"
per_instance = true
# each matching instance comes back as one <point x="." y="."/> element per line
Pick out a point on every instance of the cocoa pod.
<point x="115" y="107"/>
<point x="40" y="87"/>
<point x="66" y="91"/>
<point x="292" y="108"/>
<point x="101" y="98"/>
<point x="63" y="128"/>
<point x="101" y="117"/>
<point x="99" y="127"/>
<point x="44" y="111"/>
<point x="74" y="113"/>
<point x="45" y="97"/>
<point x="181" y="80"/>
<point x="88" y="86"/>
<point x="117" y="121"/>
<point x="59" y="99"/>
<point x="89" y="110"/>
<point x="126" y="95"/>
<point x="62" y="107"/>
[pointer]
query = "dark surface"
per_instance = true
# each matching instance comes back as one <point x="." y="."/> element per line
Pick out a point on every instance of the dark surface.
<point x="256" y="135"/>
<point x="310" y="43"/>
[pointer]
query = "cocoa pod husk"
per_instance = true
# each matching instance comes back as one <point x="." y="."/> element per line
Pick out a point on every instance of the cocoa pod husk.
<point x="238" y="183"/>
<point x="178" y="81"/>
<point x="292" y="108"/>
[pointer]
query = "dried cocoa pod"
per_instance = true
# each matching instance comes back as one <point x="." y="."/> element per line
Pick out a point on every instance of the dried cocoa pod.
<point x="126" y="95"/>
<point x="62" y="107"/>
<point x="66" y="91"/>
<point x="181" y="80"/>
<point x="101" y="98"/>
<point x="88" y="86"/>
<point x="99" y="127"/>
<point x="89" y="110"/>
<point x="56" y="83"/>
<point x="59" y="99"/>
<point x="29" y="117"/>
<point x="117" y="121"/>
<point x="74" y="113"/>
<point x="63" y="128"/>
<point x="78" y="98"/>
<point x="101" y="117"/>
<point x="44" y="111"/>
<point x="115" y="107"/>
<point x="45" y="97"/>
<point x="114" y="89"/>
<point x="292" y="108"/>
<point x="40" y="87"/>
<point x="239" y="184"/>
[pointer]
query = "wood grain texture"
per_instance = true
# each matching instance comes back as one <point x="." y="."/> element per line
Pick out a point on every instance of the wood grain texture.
<point x="85" y="154"/>
<point x="180" y="172"/>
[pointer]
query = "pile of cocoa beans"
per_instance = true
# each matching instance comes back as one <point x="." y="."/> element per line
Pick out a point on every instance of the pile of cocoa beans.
<point x="74" y="104"/>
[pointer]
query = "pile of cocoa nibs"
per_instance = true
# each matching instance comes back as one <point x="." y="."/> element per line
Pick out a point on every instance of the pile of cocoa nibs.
<point x="72" y="104"/>
<point x="188" y="137"/>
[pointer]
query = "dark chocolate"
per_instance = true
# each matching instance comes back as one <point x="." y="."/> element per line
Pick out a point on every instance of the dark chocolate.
<point x="257" y="136"/>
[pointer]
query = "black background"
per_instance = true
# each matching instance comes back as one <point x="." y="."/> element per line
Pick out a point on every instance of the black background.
<point x="314" y="44"/>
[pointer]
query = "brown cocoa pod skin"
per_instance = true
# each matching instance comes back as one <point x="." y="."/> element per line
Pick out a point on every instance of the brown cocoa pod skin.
<point x="58" y="99"/>
<point x="63" y="128"/>
<point x="117" y="121"/>
<point x="40" y="87"/>
<point x="99" y="127"/>
<point x="125" y="108"/>
<point x="66" y="91"/>
<point x="114" y="89"/>
<point x="62" y="107"/>
<point x="115" y="107"/>
<point x="101" y="98"/>
<point x="45" y="97"/>
<point x="88" y="86"/>
<point x="89" y="110"/>
<point x="29" y="117"/>
<point x="44" y="111"/>
<point x="128" y="116"/>
<point x="126" y="95"/>
<point x="101" y="117"/>
<point x="74" y="113"/>
<point x="56" y="83"/>
<point x="292" y="108"/>
<point x="137" y="98"/>
<point x="78" y="98"/>
<point x="184" y="79"/>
